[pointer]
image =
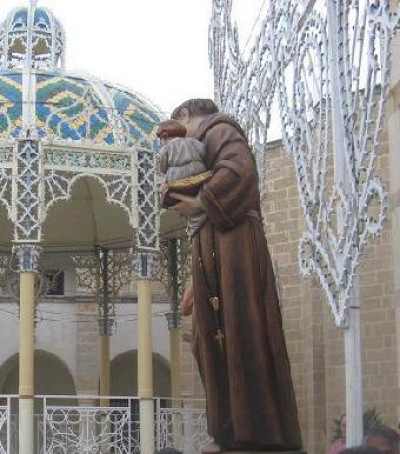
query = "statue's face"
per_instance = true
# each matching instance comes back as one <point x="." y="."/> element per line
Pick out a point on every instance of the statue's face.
<point x="191" y="123"/>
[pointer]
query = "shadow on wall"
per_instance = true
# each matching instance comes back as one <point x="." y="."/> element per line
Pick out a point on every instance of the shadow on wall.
<point x="124" y="375"/>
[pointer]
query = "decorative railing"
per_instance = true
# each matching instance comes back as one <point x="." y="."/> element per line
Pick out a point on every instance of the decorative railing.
<point x="183" y="428"/>
<point x="5" y="432"/>
<point x="78" y="424"/>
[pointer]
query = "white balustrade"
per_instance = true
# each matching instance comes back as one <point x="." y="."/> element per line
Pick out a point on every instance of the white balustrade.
<point x="63" y="426"/>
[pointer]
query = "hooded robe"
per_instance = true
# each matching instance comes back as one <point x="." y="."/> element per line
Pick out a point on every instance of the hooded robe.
<point x="248" y="385"/>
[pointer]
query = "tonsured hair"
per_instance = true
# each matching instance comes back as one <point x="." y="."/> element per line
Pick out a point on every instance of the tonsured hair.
<point x="196" y="107"/>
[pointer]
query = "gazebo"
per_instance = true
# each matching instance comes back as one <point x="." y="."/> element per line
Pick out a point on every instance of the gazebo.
<point x="64" y="134"/>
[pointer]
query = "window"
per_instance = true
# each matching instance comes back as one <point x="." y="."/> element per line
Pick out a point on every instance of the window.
<point x="54" y="282"/>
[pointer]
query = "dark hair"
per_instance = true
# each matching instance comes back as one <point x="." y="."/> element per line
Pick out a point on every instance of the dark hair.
<point x="171" y="128"/>
<point x="360" y="450"/>
<point x="196" y="107"/>
<point x="168" y="451"/>
<point x="384" y="432"/>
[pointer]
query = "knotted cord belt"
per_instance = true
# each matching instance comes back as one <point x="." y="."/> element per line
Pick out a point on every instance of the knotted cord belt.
<point x="213" y="295"/>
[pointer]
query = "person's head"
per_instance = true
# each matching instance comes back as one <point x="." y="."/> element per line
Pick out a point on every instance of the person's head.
<point x="383" y="438"/>
<point x="360" y="450"/>
<point x="192" y="112"/>
<point x="170" y="129"/>
<point x="168" y="451"/>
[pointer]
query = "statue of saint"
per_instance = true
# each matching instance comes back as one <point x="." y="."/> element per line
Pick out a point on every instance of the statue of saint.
<point x="238" y="340"/>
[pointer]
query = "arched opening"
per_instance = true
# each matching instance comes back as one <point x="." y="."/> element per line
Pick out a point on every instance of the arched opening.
<point x="124" y="375"/>
<point x="52" y="377"/>
<point x="86" y="218"/>
<point x="6" y="227"/>
<point x="124" y="384"/>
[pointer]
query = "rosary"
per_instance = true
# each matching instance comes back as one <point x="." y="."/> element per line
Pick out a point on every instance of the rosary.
<point x="213" y="296"/>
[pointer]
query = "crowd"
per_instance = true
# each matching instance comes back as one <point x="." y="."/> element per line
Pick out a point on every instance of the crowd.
<point x="379" y="439"/>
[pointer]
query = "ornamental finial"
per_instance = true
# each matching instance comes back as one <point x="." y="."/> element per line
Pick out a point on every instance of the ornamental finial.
<point x="31" y="38"/>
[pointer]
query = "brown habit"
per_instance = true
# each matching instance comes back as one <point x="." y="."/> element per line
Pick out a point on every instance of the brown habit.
<point x="250" y="398"/>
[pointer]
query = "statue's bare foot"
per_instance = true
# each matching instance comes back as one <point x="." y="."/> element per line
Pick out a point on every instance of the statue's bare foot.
<point x="211" y="448"/>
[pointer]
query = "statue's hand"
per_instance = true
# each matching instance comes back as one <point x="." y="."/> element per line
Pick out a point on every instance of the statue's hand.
<point x="187" y="301"/>
<point x="187" y="205"/>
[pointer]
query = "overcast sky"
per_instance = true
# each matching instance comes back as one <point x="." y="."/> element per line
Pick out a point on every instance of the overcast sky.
<point x="157" y="47"/>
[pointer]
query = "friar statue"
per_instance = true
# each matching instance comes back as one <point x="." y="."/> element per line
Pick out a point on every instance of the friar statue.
<point x="238" y="339"/>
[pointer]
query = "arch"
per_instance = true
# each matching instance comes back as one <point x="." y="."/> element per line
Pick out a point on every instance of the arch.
<point x="66" y="186"/>
<point x="124" y="375"/>
<point x="6" y="225"/>
<point x="87" y="213"/>
<point x="52" y="377"/>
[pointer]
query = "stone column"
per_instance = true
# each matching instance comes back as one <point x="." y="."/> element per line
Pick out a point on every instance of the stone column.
<point x="28" y="268"/>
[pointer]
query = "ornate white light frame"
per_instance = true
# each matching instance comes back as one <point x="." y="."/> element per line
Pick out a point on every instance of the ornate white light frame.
<point x="327" y="62"/>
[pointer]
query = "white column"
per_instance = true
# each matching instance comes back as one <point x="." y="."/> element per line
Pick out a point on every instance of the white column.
<point x="145" y="358"/>
<point x="354" y="397"/>
<point x="354" y="385"/>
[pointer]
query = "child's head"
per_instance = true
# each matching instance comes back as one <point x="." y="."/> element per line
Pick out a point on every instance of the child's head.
<point x="170" y="129"/>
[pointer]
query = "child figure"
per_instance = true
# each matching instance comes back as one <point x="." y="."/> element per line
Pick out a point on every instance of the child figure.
<point x="182" y="163"/>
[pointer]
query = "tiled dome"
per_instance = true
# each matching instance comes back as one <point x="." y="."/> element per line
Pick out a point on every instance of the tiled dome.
<point x="37" y="93"/>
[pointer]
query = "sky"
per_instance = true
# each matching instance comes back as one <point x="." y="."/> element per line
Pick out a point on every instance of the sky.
<point x="158" y="48"/>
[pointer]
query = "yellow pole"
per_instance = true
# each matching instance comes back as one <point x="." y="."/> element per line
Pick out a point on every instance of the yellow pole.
<point x="175" y="348"/>
<point x="105" y="370"/>
<point x="26" y="361"/>
<point x="145" y="368"/>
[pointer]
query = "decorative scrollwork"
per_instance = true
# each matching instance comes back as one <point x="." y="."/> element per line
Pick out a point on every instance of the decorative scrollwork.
<point x="104" y="273"/>
<point x="27" y="203"/>
<point x="148" y="201"/>
<point x="28" y="257"/>
<point x="329" y="64"/>
<point x="87" y="160"/>
<point x="118" y="186"/>
<point x="4" y="419"/>
<point x="182" y="252"/>
<point x="6" y="189"/>
<point x="144" y="265"/>
<point x="192" y="433"/>
<point x="104" y="428"/>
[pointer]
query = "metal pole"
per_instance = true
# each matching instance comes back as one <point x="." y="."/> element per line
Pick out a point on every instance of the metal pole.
<point x="354" y="394"/>
<point x="105" y="330"/>
<point x="174" y="323"/>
